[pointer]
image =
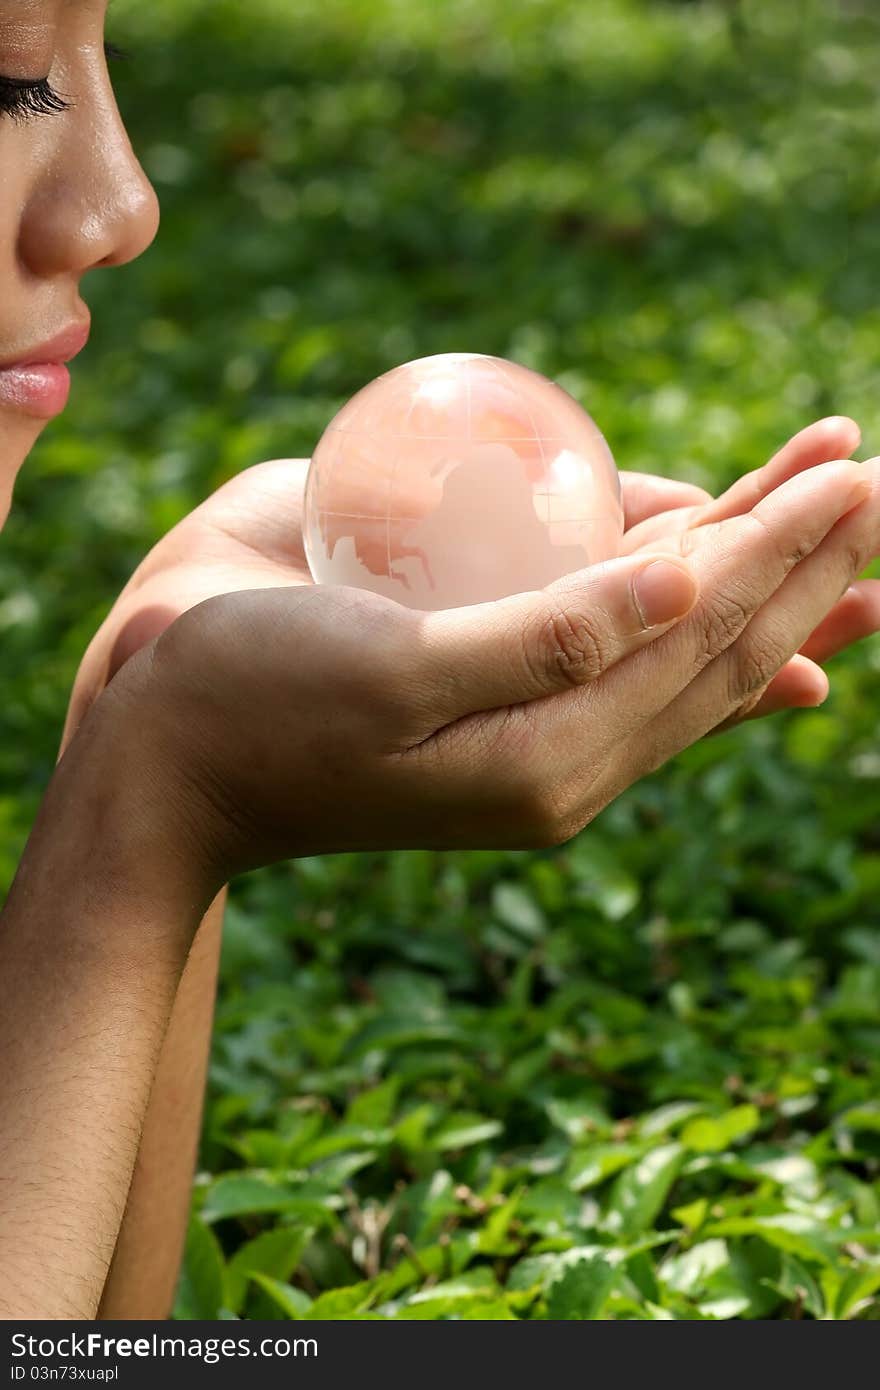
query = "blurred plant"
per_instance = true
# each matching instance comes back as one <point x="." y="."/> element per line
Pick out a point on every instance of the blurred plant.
<point x="638" y="1076"/>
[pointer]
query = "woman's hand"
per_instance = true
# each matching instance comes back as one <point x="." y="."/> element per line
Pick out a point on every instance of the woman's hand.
<point x="249" y="535"/>
<point x="663" y="512"/>
<point x="314" y="720"/>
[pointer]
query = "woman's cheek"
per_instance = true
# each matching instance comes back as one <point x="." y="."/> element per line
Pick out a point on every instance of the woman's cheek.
<point x="17" y="434"/>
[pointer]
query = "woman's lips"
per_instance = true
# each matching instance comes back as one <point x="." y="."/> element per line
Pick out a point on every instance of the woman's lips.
<point x="38" y="382"/>
<point x="40" y="388"/>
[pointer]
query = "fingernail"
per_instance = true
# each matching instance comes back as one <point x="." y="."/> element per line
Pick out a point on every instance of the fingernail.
<point x="663" y="590"/>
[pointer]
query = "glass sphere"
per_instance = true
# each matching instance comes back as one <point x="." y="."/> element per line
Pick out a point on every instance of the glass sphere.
<point x="457" y="479"/>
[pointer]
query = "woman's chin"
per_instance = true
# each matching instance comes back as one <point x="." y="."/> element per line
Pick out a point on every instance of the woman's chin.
<point x="7" y="483"/>
<point x="18" y="435"/>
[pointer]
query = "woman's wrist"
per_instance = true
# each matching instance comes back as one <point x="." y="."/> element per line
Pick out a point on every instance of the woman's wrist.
<point x="115" y="832"/>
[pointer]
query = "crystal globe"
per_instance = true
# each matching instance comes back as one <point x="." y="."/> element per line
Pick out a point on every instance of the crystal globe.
<point x="456" y="479"/>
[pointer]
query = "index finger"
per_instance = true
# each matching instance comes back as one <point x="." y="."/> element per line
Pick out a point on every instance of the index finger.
<point x="834" y="437"/>
<point x="743" y="566"/>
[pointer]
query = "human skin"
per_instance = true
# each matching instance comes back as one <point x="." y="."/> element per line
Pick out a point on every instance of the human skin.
<point x="248" y="535"/>
<point x="504" y="725"/>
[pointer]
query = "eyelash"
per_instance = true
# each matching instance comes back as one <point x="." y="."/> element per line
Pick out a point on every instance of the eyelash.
<point x="23" y="98"/>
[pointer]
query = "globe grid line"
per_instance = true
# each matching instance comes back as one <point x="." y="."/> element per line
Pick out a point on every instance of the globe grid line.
<point x="394" y="467"/>
<point x="374" y="446"/>
<point x="518" y="395"/>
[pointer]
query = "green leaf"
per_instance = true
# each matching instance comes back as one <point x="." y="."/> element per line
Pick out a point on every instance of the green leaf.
<point x="452" y="1296"/>
<point x="667" y="1117"/>
<point x="705" y="1135"/>
<point x="691" y="1271"/>
<point x="861" y="1117"/>
<point x="602" y="880"/>
<point x="246" y="1196"/>
<point x="640" y="1269"/>
<point x="274" y="1253"/>
<point x="640" y="1192"/>
<point x="493" y="1239"/>
<point x="581" y="1291"/>
<point x="389" y="1033"/>
<point x="292" y="1302"/>
<point x="374" y="1108"/>
<point x="410" y="1131"/>
<point x="337" y="1303"/>
<point x="514" y="905"/>
<point x="492" y="1310"/>
<point x="428" y="1261"/>
<point x="332" y="1173"/>
<point x="588" y="1167"/>
<point x="856" y="1287"/>
<point x="799" y="1287"/>
<point x="754" y="1266"/>
<point x="693" y="1214"/>
<point x="793" y="1171"/>
<point x="789" y="1231"/>
<point x="723" y="1307"/>
<point x="461" y="1305"/>
<point x="200" y="1288"/>
<point x="462" y="1130"/>
<point x="578" y="1118"/>
<point x="344" y="1138"/>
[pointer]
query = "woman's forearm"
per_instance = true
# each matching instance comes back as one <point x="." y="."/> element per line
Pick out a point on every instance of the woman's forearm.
<point x="146" y="1260"/>
<point x="93" y="942"/>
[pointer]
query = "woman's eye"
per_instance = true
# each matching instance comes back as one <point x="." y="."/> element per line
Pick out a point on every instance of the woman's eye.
<point x="22" y="98"/>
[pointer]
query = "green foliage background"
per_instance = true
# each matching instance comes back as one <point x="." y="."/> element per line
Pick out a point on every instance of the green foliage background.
<point x="637" y="1076"/>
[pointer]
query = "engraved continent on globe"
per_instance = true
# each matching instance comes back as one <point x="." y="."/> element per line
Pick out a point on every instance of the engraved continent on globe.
<point x="457" y="479"/>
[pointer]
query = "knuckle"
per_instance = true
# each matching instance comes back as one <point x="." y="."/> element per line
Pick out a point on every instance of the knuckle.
<point x="545" y="819"/>
<point x="753" y="666"/>
<point x="787" y="550"/>
<point x="693" y="541"/>
<point x="569" y="645"/>
<point x="855" y="558"/>
<point x="720" y="621"/>
<point x="550" y="811"/>
<point x="737" y="713"/>
<point x="568" y="827"/>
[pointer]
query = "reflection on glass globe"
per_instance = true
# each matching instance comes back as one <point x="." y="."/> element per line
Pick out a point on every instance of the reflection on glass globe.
<point x="456" y="479"/>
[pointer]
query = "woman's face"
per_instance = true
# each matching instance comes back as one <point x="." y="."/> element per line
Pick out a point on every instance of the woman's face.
<point x="72" y="197"/>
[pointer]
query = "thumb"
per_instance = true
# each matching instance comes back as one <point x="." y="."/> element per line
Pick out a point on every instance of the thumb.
<point x="549" y="640"/>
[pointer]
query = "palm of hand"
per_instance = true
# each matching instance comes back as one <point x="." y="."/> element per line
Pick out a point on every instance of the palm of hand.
<point x="248" y="535"/>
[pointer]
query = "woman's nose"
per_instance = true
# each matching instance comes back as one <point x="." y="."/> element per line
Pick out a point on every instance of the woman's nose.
<point x="91" y="203"/>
